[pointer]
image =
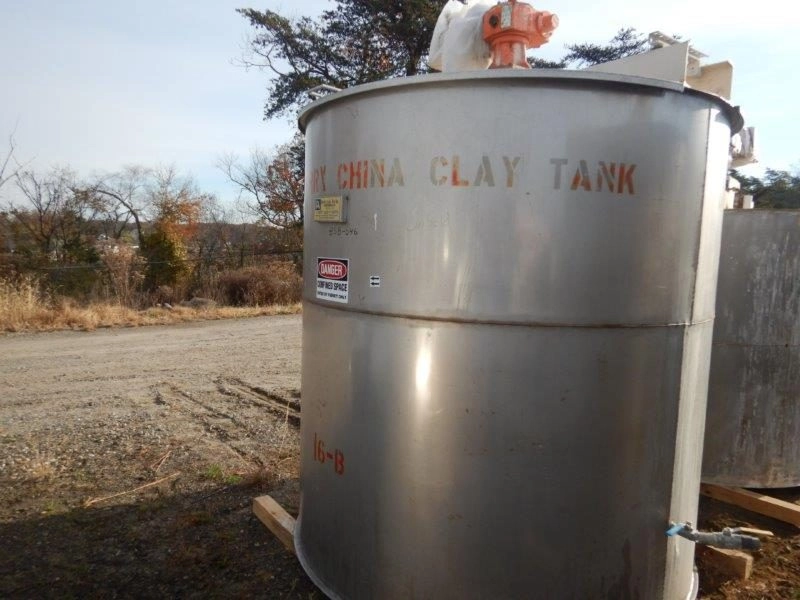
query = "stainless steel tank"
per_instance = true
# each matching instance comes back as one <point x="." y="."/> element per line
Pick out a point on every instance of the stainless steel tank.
<point x="508" y="308"/>
<point x="753" y="422"/>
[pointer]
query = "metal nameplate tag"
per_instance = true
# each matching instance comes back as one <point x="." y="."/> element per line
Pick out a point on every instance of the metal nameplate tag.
<point x="330" y="209"/>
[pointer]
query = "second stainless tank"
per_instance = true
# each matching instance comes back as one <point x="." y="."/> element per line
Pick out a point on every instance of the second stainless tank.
<point x="753" y="421"/>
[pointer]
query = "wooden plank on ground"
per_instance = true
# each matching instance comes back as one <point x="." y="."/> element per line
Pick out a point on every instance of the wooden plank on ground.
<point x="754" y="502"/>
<point x="277" y="520"/>
<point x="730" y="564"/>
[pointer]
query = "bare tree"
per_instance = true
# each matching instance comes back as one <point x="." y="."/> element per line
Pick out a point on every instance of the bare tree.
<point x="10" y="167"/>
<point x="272" y="185"/>
<point x="55" y="218"/>
<point x="127" y="199"/>
<point x="212" y="246"/>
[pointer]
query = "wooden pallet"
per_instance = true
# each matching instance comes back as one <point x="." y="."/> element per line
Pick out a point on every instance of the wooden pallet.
<point x="733" y="563"/>
<point x="730" y="564"/>
<point x="754" y="502"/>
<point x="277" y="520"/>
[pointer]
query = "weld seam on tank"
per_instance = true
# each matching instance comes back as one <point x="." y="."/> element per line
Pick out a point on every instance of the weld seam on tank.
<point x="747" y="345"/>
<point x="534" y="324"/>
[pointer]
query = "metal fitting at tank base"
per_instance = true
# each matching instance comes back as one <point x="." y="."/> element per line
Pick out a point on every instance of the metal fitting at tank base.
<point x="729" y="538"/>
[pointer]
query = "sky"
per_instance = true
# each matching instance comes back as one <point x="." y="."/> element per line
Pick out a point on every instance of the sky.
<point x="96" y="85"/>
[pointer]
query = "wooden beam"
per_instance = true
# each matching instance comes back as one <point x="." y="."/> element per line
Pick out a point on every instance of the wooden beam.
<point x="730" y="564"/>
<point x="754" y="502"/>
<point x="277" y="520"/>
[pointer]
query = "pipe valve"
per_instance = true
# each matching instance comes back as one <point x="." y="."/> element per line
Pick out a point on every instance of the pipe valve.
<point x="729" y="538"/>
<point x="510" y="28"/>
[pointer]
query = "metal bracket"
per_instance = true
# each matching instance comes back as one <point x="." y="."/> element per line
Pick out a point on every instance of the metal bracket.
<point x="323" y="90"/>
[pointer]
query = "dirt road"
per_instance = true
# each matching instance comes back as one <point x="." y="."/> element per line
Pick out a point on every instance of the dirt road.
<point x="85" y="418"/>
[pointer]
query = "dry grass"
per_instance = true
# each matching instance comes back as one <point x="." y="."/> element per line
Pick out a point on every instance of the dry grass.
<point x="21" y="301"/>
<point x="41" y="467"/>
<point x="23" y="307"/>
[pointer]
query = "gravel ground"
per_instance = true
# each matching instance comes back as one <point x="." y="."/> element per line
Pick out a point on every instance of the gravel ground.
<point x="209" y="408"/>
<point x="209" y="411"/>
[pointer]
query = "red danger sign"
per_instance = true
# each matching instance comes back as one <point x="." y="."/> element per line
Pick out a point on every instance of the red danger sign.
<point x="328" y="268"/>
<point x="333" y="276"/>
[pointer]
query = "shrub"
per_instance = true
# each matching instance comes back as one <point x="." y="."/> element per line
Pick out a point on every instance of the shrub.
<point x="274" y="283"/>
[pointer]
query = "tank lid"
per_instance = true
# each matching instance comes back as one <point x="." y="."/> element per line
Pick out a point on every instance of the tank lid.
<point x="517" y="75"/>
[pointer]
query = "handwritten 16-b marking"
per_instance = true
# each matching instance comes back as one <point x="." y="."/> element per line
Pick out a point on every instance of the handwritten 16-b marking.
<point x="321" y="455"/>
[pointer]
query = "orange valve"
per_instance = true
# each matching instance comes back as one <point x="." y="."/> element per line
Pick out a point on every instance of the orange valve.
<point x="510" y="28"/>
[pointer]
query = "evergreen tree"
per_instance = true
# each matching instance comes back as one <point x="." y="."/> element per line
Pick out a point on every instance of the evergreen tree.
<point x="776" y="189"/>
<point x="357" y="42"/>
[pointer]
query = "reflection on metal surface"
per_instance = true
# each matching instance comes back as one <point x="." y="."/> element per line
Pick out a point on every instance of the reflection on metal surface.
<point x="422" y="374"/>
<point x="523" y="413"/>
<point x="753" y="421"/>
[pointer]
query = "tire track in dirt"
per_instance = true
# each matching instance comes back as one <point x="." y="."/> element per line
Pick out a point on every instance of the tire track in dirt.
<point x="213" y="420"/>
<point x="287" y="408"/>
<point x="235" y="413"/>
